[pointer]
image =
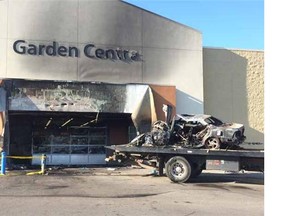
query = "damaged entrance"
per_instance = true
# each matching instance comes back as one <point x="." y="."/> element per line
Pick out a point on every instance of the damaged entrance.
<point x="65" y="138"/>
<point x="70" y="122"/>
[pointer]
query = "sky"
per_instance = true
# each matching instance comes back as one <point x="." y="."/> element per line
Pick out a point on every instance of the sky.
<point x="223" y="23"/>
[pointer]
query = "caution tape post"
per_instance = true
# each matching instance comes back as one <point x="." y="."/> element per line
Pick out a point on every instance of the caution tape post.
<point x="3" y="163"/>
<point x="43" y="162"/>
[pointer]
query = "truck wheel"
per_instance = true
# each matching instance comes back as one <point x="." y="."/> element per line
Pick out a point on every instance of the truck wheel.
<point x="178" y="169"/>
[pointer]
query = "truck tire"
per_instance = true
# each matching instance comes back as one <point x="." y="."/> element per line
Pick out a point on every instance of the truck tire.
<point x="178" y="169"/>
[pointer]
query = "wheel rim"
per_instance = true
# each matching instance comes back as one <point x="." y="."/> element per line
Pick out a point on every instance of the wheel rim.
<point x="178" y="169"/>
<point x="213" y="143"/>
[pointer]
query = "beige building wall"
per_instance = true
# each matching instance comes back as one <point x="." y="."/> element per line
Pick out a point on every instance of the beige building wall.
<point x="234" y="89"/>
<point x="170" y="53"/>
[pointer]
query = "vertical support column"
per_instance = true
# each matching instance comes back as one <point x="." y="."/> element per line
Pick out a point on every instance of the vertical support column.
<point x="3" y="163"/>
<point x="43" y="162"/>
<point x="161" y="165"/>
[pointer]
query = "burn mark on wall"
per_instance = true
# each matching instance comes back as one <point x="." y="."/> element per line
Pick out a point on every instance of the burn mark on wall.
<point x="67" y="96"/>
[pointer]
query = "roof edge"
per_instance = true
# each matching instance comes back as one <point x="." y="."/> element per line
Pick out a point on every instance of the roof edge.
<point x="163" y="17"/>
<point x="233" y="49"/>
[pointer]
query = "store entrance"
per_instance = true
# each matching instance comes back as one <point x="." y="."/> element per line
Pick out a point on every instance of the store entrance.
<point x="65" y="138"/>
<point x="74" y="145"/>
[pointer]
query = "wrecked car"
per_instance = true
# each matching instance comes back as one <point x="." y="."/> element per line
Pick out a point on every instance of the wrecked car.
<point x="195" y="131"/>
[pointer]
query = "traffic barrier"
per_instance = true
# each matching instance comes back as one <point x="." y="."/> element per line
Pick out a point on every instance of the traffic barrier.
<point x="4" y="157"/>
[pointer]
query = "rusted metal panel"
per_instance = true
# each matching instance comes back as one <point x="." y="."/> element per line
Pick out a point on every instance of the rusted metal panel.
<point x="164" y="95"/>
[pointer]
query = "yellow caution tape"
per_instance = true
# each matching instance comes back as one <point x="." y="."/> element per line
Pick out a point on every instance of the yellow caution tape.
<point x="20" y="157"/>
<point x="41" y="172"/>
<point x="35" y="173"/>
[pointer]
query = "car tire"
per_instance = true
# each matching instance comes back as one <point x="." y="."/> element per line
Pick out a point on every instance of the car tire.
<point x="178" y="169"/>
<point x="212" y="143"/>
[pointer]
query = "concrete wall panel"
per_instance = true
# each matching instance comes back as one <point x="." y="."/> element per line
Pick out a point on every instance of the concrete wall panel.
<point x="181" y="68"/>
<point x="107" y="70"/>
<point x="3" y="37"/>
<point x="164" y="33"/>
<point x="43" y="20"/>
<point x="3" y="18"/>
<point x="40" y="67"/>
<point x="3" y="56"/>
<point x="113" y="23"/>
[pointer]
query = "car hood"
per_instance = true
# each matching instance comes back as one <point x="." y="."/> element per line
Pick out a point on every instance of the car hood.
<point x="232" y="125"/>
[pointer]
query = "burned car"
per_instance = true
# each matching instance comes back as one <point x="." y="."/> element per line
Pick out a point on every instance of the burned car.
<point x="206" y="131"/>
<point x="195" y="131"/>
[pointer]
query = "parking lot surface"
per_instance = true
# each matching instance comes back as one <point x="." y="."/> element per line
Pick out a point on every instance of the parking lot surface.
<point x="130" y="191"/>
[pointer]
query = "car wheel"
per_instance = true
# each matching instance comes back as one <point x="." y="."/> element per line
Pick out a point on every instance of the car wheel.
<point x="178" y="169"/>
<point x="212" y="143"/>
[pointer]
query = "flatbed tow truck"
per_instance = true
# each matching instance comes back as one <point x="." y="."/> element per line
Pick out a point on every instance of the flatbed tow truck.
<point x="181" y="164"/>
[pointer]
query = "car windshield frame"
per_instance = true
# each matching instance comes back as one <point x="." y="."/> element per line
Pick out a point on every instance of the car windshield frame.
<point x="214" y="121"/>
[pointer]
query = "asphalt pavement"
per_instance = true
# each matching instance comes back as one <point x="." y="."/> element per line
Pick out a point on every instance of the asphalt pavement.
<point x="129" y="191"/>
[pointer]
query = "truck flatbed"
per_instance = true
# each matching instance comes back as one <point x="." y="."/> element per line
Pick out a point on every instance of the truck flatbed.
<point x="156" y="150"/>
<point x="182" y="163"/>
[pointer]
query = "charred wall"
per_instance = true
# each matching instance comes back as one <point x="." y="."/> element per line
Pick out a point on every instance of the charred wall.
<point x="66" y="96"/>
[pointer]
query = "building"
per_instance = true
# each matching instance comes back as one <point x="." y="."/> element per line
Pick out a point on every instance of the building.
<point x="234" y="89"/>
<point x="73" y="73"/>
